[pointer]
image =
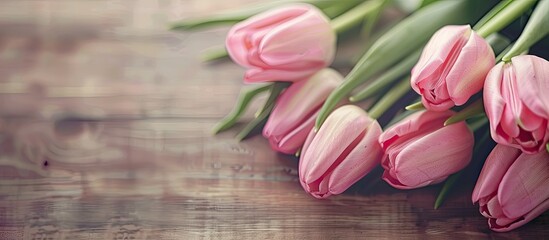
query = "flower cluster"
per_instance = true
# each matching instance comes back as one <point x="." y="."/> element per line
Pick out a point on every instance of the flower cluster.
<point x="339" y="143"/>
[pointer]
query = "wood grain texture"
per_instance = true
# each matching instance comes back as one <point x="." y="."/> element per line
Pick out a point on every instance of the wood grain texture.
<point x="105" y="134"/>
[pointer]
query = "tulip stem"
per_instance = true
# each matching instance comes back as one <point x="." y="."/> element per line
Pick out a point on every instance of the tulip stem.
<point x="390" y="98"/>
<point x="476" y="125"/>
<point x="387" y="78"/>
<point x="505" y="16"/>
<point x="470" y="111"/>
<point x="354" y="16"/>
<point x="495" y="10"/>
<point x="536" y="28"/>
<point x="255" y="123"/>
<point x="242" y="103"/>
<point x="276" y="89"/>
<point x="547" y="147"/>
<point x="448" y="185"/>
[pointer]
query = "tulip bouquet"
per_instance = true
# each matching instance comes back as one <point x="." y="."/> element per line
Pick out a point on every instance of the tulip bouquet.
<point x="466" y="77"/>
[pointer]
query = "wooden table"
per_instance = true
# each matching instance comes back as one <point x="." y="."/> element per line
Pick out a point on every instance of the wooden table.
<point x="105" y="134"/>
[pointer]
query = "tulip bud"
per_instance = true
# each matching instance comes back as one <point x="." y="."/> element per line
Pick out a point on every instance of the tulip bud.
<point x="512" y="187"/>
<point x="517" y="104"/>
<point x="343" y="151"/>
<point x="452" y="67"/>
<point x="420" y="150"/>
<point x="284" y="44"/>
<point x="296" y="109"/>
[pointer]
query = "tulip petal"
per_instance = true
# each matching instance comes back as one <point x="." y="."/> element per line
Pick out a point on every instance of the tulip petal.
<point x="238" y="38"/>
<point x="435" y="156"/>
<point x="498" y="226"/>
<point x="533" y="77"/>
<point x="361" y="160"/>
<point x="284" y="45"/>
<point x="494" y="104"/>
<point x="524" y="186"/>
<point x="467" y="74"/>
<point x="322" y="153"/>
<point x="495" y="167"/>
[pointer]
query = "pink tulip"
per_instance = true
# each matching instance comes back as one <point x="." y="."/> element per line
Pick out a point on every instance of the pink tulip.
<point x="283" y="44"/>
<point x="420" y="150"/>
<point x="512" y="187"/>
<point x="343" y="151"/>
<point x="452" y="67"/>
<point x="296" y="109"/>
<point x="516" y="101"/>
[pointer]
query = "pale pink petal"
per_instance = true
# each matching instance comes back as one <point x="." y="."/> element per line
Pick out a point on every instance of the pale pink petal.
<point x="322" y="153"/>
<point x="495" y="167"/>
<point x="467" y="75"/>
<point x="533" y="75"/>
<point x="284" y="44"/>
<point x="360" y="161"/>
<point x="524" y="186"/>
<point x="300" y="101"/>
<point x="538" y="210"/>
<point x="435" y="156"/>
<point x="494" y="104"/>
<point x="291" y="141"/>
<point x="435" y="52"/>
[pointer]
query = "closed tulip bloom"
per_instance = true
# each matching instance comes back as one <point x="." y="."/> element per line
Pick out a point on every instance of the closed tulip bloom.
<point x="420" y="150"/>
<point x="296" y="109"/>
<point x="516" y="101"/>
<point x="284" y="44"/>
<point x="452" y="67"/>
<point x="343" y="151"/>
<point x="512" y="187"/>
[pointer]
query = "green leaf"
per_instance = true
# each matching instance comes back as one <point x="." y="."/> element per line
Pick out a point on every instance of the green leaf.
<point x="390" y="98"/>
<point x="387" y="78"/>
<point x="244" y="99"/>
<point x="415" y="106"/>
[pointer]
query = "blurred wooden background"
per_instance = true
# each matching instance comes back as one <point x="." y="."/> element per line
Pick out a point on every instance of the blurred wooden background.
<point x="105" y="121"/>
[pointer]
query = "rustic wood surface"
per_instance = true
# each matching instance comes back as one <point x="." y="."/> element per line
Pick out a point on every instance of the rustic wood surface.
<point x="105" y="121"/>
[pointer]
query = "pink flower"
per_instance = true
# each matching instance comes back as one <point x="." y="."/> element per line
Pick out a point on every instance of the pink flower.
<point x="452" y="67"/>
<point x="296" y="109"/>
<point x="516" y="101"/>
<point x="420" y="150"/>
<point x="512" y="187"/>
<point x="343" y="151"/>
<point x="283" y="44"/>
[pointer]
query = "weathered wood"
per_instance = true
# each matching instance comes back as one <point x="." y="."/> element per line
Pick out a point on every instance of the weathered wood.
<point x="105" y="134"/>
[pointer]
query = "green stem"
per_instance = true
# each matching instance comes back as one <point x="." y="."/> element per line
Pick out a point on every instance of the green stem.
<point x="547" y="147"/>
<point x="243" y="101"/>
<point x="355" y="15"/>
<point x="387" y="78"/>
<point x="470" y="111"/>
<point x="478" y="123"/>
<point x="536" y="28"/>
<point x="276" y="89"/>
<point x="505" y="17"/>
<point x="371" y="20"/>
<point x="256" y="123"/>
<point x="390" y="98"/>
<point x="495" y="10"/>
